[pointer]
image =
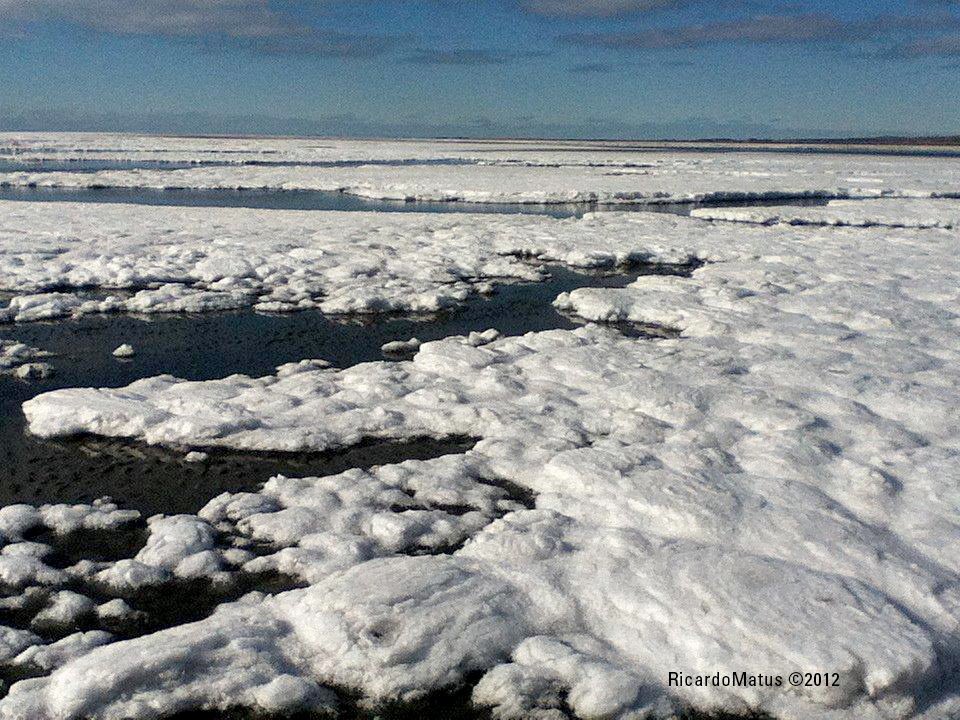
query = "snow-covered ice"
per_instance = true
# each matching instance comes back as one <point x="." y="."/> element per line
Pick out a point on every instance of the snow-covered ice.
<point x="173" y="259"/>
<point x="22" y="360"/>
<point x="772" y="491"/>
<point x="400" y="347"/>
<point x="921" y="213"/>
<point x="682" y="177"/>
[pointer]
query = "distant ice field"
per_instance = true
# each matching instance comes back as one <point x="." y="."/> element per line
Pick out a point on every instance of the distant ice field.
<point x="765" y="485"/>
<point x="505" y="172"/>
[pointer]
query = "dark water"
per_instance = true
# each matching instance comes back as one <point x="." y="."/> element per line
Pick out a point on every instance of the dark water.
<point x="325" y="200"/>
<point x="155" y="480"/>
<point x="214" y="345"/>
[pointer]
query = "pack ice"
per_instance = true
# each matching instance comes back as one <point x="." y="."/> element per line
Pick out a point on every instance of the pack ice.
<point x="774" y="491"/>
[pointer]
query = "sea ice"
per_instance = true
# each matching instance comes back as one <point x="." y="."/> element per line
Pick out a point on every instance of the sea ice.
<point x="770" y="492"/>
<point x="400" y="347"/>
<point x="683" y="177"/>
<point x="923" y="213"/>
<point x="20" y="360"/>
<point x="208" y="259"/>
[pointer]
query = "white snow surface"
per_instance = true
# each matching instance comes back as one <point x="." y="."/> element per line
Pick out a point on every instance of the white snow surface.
<point x="177" y="259"/>
<point x="774" y="491"/>
<point x="923" y="213"/>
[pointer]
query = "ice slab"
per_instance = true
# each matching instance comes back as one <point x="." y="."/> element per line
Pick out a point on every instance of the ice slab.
<point x="21" y="360"/>
<point x="922" y="213"/>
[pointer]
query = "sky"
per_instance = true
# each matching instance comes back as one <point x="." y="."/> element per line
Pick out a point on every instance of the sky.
<point x="639" y="69"/>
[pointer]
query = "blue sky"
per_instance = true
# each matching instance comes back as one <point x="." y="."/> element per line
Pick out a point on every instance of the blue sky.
<point x="573" y="68"/>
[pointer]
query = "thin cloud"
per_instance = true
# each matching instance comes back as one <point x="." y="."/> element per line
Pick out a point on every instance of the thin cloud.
<point x="594" y="8"/>
<point x="944" y="46"/>
<point x="249" y="24"/>
<point x="468" y="56"/>
<point x="173" y="18"/>
<point x="325" y="43"/>
<point x="809" y="28"/>
<point x="605" y="68"/>
<point x="593" y="68"/>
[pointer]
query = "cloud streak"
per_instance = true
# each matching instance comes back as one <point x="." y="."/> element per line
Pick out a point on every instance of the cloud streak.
<point x="943" y="46"/>
<point x="807" y="29"/>
<point x="594" y="8"/>
<point x="468" y="56"/>
<point x="247" y="24"/>
<point x="173" y="18"/>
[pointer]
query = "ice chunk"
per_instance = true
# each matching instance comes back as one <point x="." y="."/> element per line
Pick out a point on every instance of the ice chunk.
<point x="400" y="347"/>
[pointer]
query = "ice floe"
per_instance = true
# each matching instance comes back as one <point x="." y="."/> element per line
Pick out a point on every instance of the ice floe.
<point x="400" y="347"/>
<point x="922" y="213"/>
<point x="23" y="361"/>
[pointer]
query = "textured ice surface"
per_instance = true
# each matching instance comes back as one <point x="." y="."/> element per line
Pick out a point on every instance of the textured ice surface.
<point x="200" y="259"/>
<point x="774" y="491"/>
<point x="507" y="171"/>
<point x="922" y="213"/>
<point x="62" y="147"/>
